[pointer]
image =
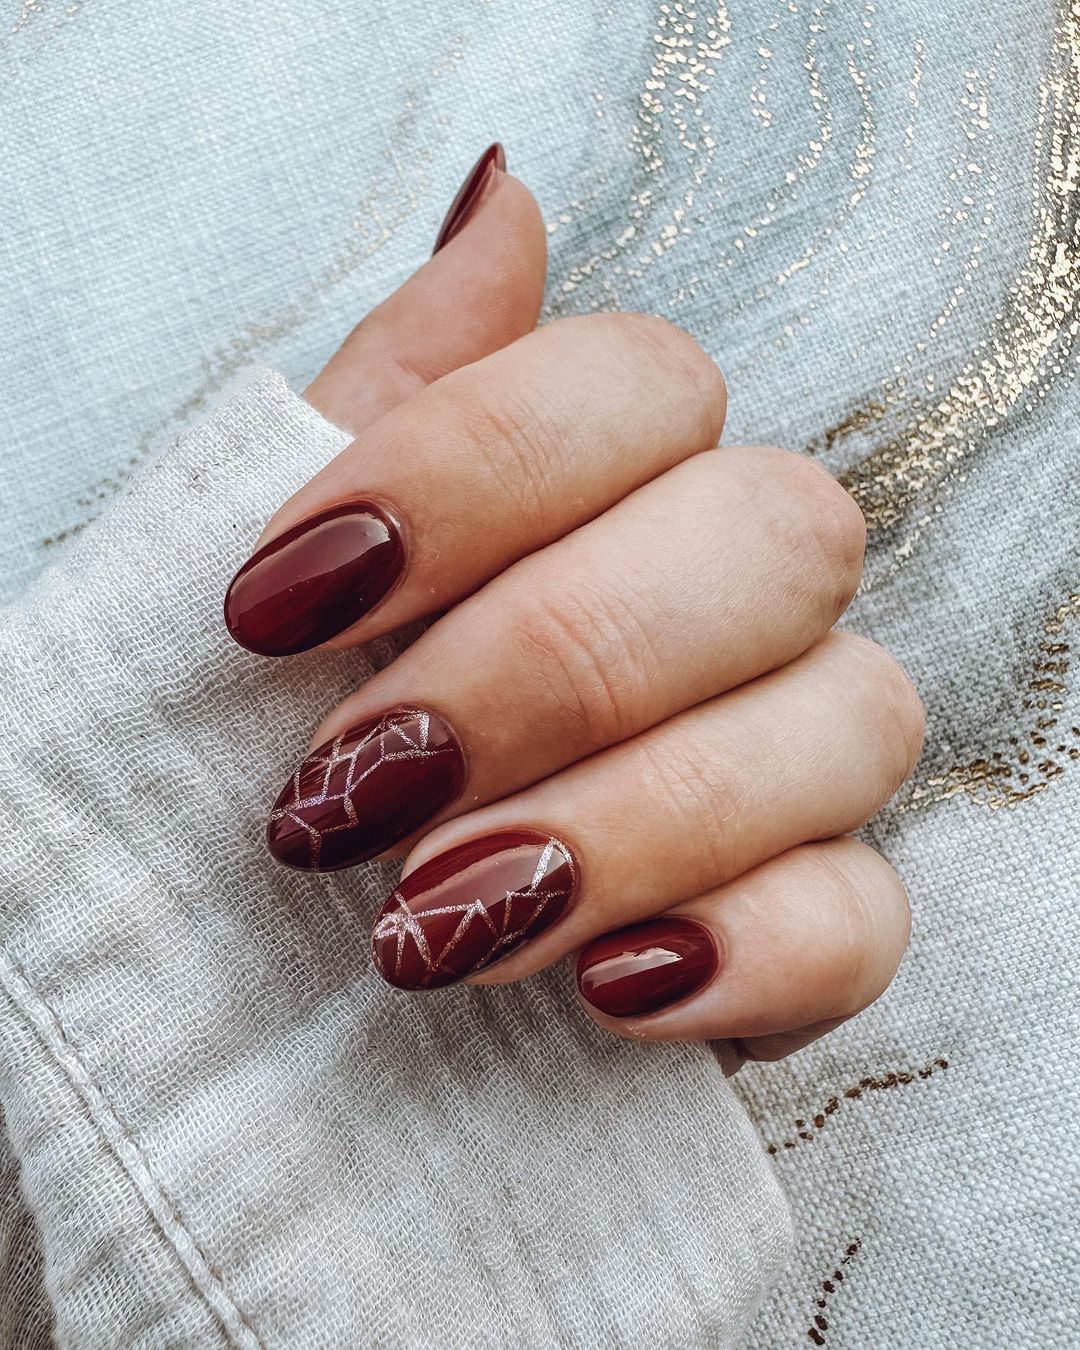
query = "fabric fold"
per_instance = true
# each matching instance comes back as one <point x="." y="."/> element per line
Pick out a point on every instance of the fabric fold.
<point x="228" y="1129"/>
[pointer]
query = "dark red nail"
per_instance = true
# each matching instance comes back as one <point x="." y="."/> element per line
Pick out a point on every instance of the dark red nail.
<point x="362" y="792"/>
<point x="647" y="966"/>
<point x="470" y="906"/>
<point x="470" y="193"/>
<point x="315" y="580"/>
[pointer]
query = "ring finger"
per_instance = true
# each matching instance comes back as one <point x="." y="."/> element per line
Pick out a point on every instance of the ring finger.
<point x="805" y="753"/>
<point x="767" y="963"/>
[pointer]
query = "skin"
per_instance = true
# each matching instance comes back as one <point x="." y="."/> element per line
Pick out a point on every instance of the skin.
<point x="634" y="640"/>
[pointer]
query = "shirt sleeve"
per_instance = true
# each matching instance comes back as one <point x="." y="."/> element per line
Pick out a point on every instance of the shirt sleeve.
<point x="227" y="1129"/>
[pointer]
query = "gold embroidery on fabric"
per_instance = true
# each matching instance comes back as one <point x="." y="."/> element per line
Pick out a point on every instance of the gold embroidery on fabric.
<point x="1033" y="758"/>
<point x="1016" y="363"/>
<point x="828" y="1287"/>
<point x="27" y="14"/>
<point x="32" y="8"/>
<point x="686" y="52"/>
<point x="807" y="1128"/>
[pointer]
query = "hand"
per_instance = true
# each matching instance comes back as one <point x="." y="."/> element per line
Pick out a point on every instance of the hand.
<point x="631" y="734"/>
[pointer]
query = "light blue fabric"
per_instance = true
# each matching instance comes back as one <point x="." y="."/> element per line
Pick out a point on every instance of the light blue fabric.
<point x="192" y="185"/>
<point x="866" y="212"/>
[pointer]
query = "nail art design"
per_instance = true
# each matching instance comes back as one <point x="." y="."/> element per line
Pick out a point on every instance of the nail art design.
<point x="362" y="792"/>
<point x="647" y="966"/>
<point x="315" y="580"/>
<point x="470" y="194"/>
<point x="469" y="907"/>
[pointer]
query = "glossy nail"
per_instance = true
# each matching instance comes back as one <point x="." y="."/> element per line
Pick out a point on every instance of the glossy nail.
<point x="315" y="580"/>
<point x="470" y="194"/>
<point x="647" y="966"/>
<point x="471" y="906"/>
<point x="362" y="792"/>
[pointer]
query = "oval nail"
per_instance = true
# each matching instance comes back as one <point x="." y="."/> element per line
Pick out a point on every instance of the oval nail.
<point x="470" y="194"/>
<point x="364" y="791"/>
<point x="315" y="580"/>
<point x="472" y="905"/>
<point x="647" y="966"/>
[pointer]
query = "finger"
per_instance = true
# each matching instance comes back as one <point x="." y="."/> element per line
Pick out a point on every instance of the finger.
<point x="487" y="465"/>
<point x="574" y="649"/>
<point x="768" y="962"/>
<point x="468" y="300"/>
<point x="805" y="753"/>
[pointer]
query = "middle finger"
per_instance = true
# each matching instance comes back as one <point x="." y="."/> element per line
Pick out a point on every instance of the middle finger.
<point x="726" y="567"/>
<point x="479" y="469"/>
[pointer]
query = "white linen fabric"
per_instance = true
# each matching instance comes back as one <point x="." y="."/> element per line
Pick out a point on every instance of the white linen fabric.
<point x="229" y="1130"/>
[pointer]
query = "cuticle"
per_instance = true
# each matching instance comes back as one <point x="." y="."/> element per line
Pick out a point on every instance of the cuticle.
<point x="715" y="942"/>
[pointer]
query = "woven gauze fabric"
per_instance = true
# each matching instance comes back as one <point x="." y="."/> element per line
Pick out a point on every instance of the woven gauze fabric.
<point x="230" y="1131"/>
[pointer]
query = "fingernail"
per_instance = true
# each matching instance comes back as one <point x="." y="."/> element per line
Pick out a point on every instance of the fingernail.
<point x="362" y="792"/>
<point x="315" y="580"/>
<point x="647" y="966"/>
<point x="470" y="194"/>
<point x="471" y="906"/>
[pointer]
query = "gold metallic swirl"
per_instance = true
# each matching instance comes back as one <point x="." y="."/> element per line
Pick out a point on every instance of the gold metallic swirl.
<point x="686" y="50"/>
<point x="31" y="9"/>
<point x="1014" y="365"/>
<point x="1035" y="756"/>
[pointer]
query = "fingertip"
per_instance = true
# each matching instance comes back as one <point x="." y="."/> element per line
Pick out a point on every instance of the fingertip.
<point x="481" y="290"/>
<point x="476" y="184"/>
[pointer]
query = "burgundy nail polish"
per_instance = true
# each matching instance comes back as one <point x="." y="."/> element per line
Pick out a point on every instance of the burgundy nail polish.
<point x="647" y="966"/>
<point x="470" y="906"/>
<point x="315" y="580"/>
<point x="362" y="792"/>
<point x="470" y="193"/>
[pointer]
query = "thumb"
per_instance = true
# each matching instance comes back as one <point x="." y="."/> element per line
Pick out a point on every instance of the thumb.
<point x="481" y="290"/>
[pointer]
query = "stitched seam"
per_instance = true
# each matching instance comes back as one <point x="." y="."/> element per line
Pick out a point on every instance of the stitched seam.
<point x="116" y="1137"/>
<point x="887" y="1082"/>
<point x="817" y="1329"/>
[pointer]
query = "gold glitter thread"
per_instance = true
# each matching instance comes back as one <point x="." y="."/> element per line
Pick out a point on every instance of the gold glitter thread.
<point x="27" y="14"/>
<point x="973" y="173"/>
<point x="1015" y="365"/>
<point x="31" y="9"/>
<point x="897" y="389"/>
<point x="686" y="50"/>
<point x="862" y="157"/>
<point x="1034" y="758"/>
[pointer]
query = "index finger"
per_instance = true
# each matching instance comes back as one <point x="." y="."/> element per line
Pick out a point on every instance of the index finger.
<point x="486" y="465"/>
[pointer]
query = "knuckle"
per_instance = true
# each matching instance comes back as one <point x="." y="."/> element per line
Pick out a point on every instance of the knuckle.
<point x="869" y="924"/>
<point x="689" y="788"/>
<point x="680" y="360"/>
<point x="515" y="439"/>
<point x="578" y="654"/>
<point x="830" y="522"/>
<point x="808" y="517"/>
<point x="897" y="715"/>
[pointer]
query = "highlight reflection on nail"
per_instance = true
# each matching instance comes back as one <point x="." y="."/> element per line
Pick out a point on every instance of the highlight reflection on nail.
<point x="315" y="580"/>
<point x="647" y="966"/>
